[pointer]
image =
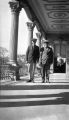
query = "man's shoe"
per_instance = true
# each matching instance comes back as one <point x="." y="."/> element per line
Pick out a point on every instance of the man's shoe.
<point x="43" y="80"/>
<point x="30" y="81"/>
<point x="47" y="80"/>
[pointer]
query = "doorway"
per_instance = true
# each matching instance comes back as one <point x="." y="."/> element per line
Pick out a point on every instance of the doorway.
<point x="59" y="65"/>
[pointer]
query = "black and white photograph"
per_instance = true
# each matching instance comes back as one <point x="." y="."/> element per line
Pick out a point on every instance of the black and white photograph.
<point x="34" y="60"/>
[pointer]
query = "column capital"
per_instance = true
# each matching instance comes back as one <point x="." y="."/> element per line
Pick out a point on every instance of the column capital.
<point x="38" y="35"/>
<point x="15" y="6"/>
<point x="30" y="25"/>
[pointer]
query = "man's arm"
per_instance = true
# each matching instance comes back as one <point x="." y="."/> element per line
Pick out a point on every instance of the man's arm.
<point x="40" y="57"/>
<point x="38" y="53"/>
<point x="51" y="56"/>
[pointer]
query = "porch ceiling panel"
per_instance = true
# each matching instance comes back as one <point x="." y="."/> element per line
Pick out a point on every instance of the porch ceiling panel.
<point x="52" y="14"/>
<point x="36" y="7"/>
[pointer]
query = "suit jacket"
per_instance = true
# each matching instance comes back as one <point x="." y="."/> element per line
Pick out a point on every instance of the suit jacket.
<point x="32" y="54"/>
<point x="46" y="56"/>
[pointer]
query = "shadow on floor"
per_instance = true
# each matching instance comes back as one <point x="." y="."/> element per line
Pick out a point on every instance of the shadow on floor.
<point x="34" y="86"/>
<point x="61" y="98"/>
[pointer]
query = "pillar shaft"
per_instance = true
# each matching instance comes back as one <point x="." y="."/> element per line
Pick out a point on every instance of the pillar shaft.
<point x="67" y="61"/>
<point x="30" y="26"/>
<point x="39" y="39"/>
<point x="15" y="9"/>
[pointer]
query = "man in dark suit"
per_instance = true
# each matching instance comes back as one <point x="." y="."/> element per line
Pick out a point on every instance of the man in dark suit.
<point x="32" y="57"/>
<point x="46" y="60"/>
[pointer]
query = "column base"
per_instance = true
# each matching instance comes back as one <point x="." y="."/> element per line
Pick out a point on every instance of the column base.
<point x="13" y="63"/>
<point x="14" y="66"/>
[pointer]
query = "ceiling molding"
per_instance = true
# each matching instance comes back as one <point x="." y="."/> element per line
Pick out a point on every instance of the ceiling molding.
<point x="53" y="15"/>
<point x="57" y="7"/>
<point x="56" y="1"/>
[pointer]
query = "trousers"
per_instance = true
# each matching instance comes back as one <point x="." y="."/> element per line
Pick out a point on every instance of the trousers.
<point x="32" y="70"/>
<point x="45" y="71"/>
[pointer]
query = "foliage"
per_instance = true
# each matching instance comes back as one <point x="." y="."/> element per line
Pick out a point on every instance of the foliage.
<point x="22" y="62"/>
<point x="4" y="57"/>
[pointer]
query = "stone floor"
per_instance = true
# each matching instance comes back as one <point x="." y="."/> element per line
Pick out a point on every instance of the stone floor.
<point x="54" y="78"/>
<point x="20" y="100"/>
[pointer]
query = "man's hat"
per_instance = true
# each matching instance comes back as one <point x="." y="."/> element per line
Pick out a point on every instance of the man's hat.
<point x="34" y="39"/>
<point x="45" y="41"/>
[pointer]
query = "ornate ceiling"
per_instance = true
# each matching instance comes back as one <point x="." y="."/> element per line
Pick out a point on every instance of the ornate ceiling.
<point x="57" y="12"/>
<point x="52" y="14"/>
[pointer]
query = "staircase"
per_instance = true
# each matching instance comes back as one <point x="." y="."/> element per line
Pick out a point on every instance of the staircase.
<point x="34" y="101"/>
<point x="59" y="77"/>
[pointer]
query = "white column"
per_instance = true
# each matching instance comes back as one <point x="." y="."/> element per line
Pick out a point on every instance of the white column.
<point x="30" y="26"/>
<point x="15" y="9"/>
<point x="39" y="39"/>
<point x="67" y="61"/>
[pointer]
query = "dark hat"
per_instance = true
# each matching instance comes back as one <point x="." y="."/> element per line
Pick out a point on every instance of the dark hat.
<point x="45" y="41"/>
<point x="34" y="39"/>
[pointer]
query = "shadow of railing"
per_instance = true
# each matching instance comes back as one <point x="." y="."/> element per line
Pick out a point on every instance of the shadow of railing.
<point x="61" y="98"/>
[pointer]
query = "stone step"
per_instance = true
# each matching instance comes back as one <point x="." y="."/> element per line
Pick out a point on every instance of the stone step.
<point x="33" y="95"/>
<point x="54" y="78"/>
<point x="59" y="77"/>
